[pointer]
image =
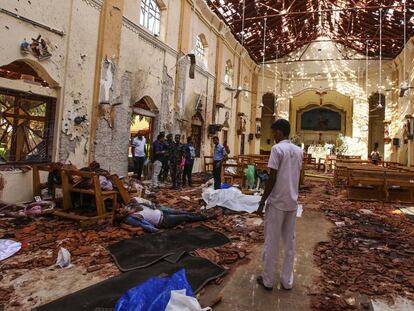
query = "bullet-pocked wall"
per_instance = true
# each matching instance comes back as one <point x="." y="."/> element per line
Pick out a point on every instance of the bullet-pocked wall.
<point x="72" y="44"/>
<point x="98" y="75"/>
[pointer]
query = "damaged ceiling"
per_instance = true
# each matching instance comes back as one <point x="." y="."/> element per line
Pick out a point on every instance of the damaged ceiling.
<point x="293" y="24"/>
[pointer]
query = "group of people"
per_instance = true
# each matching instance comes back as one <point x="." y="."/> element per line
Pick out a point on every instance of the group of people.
<point x="169" y="157"/>
<point x="278" y="204"/>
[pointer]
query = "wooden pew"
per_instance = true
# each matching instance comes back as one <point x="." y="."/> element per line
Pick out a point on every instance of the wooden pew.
<point x="208" y="164"/>
<point x="366" y="185"/>
<point x="236" y="178"/>
<point x="348" y="157"/>
<point x="399" y="186"/>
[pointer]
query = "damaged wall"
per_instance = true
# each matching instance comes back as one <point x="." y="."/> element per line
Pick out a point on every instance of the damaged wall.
<point x="82" y="44"/>
<point x="144" y="66"/>
<point x="113" y="130"/>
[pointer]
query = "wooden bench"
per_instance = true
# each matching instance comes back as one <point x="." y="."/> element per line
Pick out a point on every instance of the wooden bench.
<point x="342" y="168"/>
<point x="95" y="191"/>
<point x="399" y="186"/>
<point x="208" y="164"/>
<point x="366" y="185"/>
<point x="348" y="157"/>
<point x="236" y="178"/>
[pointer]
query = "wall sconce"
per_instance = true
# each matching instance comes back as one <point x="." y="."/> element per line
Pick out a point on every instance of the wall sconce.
<point x="410" y="126"/>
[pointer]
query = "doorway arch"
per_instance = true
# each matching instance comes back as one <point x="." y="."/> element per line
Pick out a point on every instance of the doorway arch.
<point x="144" y="115"/>
<point x="28" y="70"/>
<point x="28" y="98"/>
<point x="376" y="104"/>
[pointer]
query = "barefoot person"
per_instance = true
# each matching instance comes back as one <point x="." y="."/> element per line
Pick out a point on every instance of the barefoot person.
<point x="280" y="198"/>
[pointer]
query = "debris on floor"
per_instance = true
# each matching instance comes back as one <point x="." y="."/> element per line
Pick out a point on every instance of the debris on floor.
<point x="42" y="238"/>
<point x="368" y="255"/>
<point x="370" y="252"/>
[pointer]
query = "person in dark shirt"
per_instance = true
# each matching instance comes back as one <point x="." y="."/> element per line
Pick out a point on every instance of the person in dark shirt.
<point x="175" y="152"/>
<point x="189" y="155"/>
<point x="158" y="154"/>
<point x="219" y="157"/>
<point x="165" y="164"/>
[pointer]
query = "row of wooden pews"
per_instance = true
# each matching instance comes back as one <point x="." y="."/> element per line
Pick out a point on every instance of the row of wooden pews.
<point x="388" y="181"/>
<point x="234" y="167"/>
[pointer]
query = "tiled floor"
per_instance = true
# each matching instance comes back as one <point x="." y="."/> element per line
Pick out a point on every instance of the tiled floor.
<point x="242" y="293"/>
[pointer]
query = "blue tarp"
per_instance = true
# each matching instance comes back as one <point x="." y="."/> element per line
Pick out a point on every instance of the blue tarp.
<point x="154" y="294"/>
<point x="226" y="186"/>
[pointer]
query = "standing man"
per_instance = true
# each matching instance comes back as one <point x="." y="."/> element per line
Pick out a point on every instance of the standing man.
<point x="175" y="152"/>
<point x="165" y="164"/>
<point x="138" y="152"/>
<point x="281" y="200"/>
<point x="189" y="154"/>
<point x="219" y="155"/>
<point x="375" y="155"/>
<point x="158" y="154"/>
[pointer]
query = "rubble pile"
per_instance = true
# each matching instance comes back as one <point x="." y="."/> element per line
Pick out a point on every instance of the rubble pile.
<point x="42" y="237"/>
<point x="370" y="253"/>
<point x="45" y="236"/>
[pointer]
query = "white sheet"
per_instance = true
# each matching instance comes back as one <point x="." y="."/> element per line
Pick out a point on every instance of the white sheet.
<point x="179" y="301"/>
<point x="232" y="199"/>
<point x="8" y="248"/>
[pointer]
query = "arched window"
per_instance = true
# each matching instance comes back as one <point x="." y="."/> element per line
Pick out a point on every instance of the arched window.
<point x="201" y="49"/>
<point x="151" y="16"/>
<point x="246" y="86"/>
<point x="228" y="73"/>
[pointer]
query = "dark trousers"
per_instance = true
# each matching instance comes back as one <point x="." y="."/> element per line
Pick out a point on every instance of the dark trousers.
<point x="217" y="174"/>
<point x="176" y="174"/>
<point x="175" y="218"/>
<point x="164" y="170"/>
<point x="139" y="166"/>
<point x="188" y="170"/>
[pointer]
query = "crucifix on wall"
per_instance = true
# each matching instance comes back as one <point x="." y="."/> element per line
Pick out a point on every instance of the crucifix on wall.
<point x="321" y="94"/>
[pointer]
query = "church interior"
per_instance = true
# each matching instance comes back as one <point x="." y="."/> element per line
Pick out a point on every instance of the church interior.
<point x="138" y="141"/>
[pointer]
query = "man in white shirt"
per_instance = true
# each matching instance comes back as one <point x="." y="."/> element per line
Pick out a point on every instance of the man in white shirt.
<point x="280" y="197"/>
<point x="138" y="152"/>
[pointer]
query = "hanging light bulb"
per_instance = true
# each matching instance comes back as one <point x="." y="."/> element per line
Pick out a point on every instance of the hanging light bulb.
<point x="274" y="114"/>
<point x="261" y="105"/>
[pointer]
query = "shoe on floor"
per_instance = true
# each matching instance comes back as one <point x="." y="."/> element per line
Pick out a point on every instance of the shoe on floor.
<point x="259" y="281"/>
<point x="284" y="288"/>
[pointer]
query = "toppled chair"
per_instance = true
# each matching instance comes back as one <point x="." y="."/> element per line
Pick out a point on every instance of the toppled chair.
<point x="72" y="181"/>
